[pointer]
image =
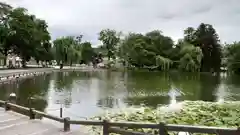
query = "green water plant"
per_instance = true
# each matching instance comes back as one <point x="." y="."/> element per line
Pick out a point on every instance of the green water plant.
<point x="197" y="113"/>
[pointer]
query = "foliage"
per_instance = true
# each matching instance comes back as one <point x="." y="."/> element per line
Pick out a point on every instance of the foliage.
<point x="232" y="54"/>
<point x="156" y="50"/>
<point x="191" y="57"/>
<point x="140" y="51"/>
<point x="198" y="51"/>
<point x="207" y="39"/>
<point x="67" y="50"/>
<point x="25" y="35"/>
<point x="70" y="50"/>
<point x="192" y="113"/>
<point x="110" y="39"/>
<point x="87" y="52"/>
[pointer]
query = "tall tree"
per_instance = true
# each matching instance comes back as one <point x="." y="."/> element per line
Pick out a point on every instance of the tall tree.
<point x="207" y="39"/>
<point x="232" y="54"/>
<point x="4" y="28"/>
<point x="110" y="39"/>
<point x="28" y="36"/>
<point x="190" y="57"/>
<point x="67" y="50"/>
<point x="87" y="52"/>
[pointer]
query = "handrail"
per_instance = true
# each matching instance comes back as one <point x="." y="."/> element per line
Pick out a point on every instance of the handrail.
<point x="115" y="127"/>
<point x="48" y="116"/>
<point x="86" y="122"/>
<point x="125" y="132"/>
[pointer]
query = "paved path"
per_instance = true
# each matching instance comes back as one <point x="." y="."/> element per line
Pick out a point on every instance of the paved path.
<point x="12" y="123"/>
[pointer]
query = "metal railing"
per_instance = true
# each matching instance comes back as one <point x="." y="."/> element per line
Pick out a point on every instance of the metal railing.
<point x="117" y="127"/>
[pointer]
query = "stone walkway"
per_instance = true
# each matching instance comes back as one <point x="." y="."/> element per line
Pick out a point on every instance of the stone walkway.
<point x="12" y="123"/>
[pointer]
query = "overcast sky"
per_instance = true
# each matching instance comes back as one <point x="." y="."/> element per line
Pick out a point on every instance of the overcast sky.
<point x="88" y="17"/>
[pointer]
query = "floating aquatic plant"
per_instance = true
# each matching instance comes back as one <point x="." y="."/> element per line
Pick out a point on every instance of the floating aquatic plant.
<point x="199" y="113"/>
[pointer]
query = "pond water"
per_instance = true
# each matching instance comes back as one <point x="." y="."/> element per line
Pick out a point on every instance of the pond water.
<point x="86" y="94"/>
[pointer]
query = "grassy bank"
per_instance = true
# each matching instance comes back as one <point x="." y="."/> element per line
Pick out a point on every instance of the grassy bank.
<point x="191" y="113"/>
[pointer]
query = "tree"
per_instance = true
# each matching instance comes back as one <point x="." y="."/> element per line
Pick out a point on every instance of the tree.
<point x="87" y="52"/>
<point x="42" y="41"/>
<point x="190" y="57"/>
<point x="28" y="36"/>
<point x="4" y="29"/>
<point x="110" y="39"/>
<point x="150" y="50"/>
<point x="232" y="54"/>
<point x="207" y="39"/>
<point x="67" y="50"/>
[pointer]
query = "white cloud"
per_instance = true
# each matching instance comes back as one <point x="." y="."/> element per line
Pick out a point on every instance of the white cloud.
<point x="88" y="17"/>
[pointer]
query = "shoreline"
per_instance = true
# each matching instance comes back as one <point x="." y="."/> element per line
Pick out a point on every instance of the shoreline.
<point x="13" y="75"/>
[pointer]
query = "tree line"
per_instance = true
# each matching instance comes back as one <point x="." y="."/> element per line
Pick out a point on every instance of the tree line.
<point x="200" y="49"/>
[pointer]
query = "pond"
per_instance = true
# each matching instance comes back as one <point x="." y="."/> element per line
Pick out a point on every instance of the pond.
<point x="86" y="94"/>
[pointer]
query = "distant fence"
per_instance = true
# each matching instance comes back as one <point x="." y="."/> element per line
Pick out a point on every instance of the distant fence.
<point x="117" y="127"/>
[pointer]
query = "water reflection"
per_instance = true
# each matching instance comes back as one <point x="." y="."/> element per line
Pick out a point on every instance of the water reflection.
<point x="90" y="93"/>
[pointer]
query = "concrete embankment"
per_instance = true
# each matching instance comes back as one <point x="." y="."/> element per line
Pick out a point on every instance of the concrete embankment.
<point x="13" y="74"/>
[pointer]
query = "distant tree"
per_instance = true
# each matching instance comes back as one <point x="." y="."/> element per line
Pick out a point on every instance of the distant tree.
<point x="207" y="39"/>
<point x="150" y="50"/>
<point x="110" y="39"/>
<point x="190" y="57"/>
<point x="232" y="55"/>
<point x="87" y="52"/>
<point x="67" y="50"/>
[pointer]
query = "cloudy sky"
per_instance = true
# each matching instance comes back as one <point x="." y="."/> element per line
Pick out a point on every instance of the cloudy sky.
<point x="88" y="17"/>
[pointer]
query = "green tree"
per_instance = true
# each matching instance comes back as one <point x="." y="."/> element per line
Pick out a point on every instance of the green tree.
<point x="4" y="29"/>
<point x="110" y="39"/>
<point x="150" y="50"/>
<point x="67" y="50"/>
<point x="28" y="36"/>
<point x="190" y="57"/>
<point x="207" y="39"/>
<point x="232" y="54"/>
<point x="87" y="52"/>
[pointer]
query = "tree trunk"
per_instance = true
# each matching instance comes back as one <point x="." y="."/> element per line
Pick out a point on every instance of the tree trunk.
<point x="5" y="61"/>
<point x="5" y="58"/>
<point x="24" y="63"/>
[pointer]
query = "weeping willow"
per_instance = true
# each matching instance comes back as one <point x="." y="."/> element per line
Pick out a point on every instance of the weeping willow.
<point x="164" y="63"/>
<point x="191" y="60"/>
<point x="73" y="54"/>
